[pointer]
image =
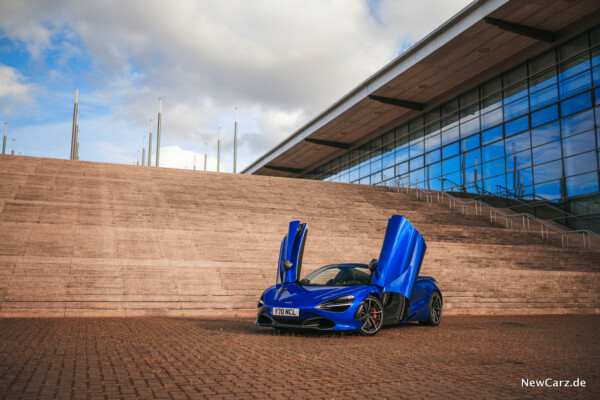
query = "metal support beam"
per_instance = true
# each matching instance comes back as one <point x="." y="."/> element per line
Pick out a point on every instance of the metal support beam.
<point x="158" y="126"/>
<point x="534" y="33"/>
<point x="398" y="103"/>
<point x="284" y="169"/>
<point x="74" y="130"/>
<point x="4" y="140"/>
<point x="150" y="146"/>
<point x="235" y="144"/>
<point x="337" y="145"/>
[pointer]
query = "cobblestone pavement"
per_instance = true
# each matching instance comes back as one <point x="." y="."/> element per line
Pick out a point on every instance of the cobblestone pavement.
<point x="464" y="357"/>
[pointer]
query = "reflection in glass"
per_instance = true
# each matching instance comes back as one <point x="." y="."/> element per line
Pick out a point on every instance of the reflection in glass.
<point x="517" y="125"/>
<point x="579" y="143"/>
<point x="548" y="191"/>
<point x="451" y="150"/>
<point x="544" y="116"/>
<point x="548" y="152"/>
<point x="582" y="184"/>
<point x="577" y="123"/>
<point x="491" y="135"/>
<point x="582" y="163"/>
<point x="576" y="104"/>
<point x="575" y="84"/>
<point x="517" y="143"/>
<point x="548" y="171"/>
<point x="518" y="160"/>
<point x="494" y="167"/>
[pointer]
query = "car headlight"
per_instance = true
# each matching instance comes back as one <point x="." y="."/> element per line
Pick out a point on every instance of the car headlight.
<point x="340" y="304"/>
<point x="261" y="301"/>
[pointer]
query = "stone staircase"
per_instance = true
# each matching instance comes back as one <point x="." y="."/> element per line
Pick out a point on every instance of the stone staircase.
<point x="92" y="239"/>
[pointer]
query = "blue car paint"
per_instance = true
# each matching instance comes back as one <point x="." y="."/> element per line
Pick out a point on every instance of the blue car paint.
<point x="291" y="250"/>
<point x="397" y="271"/>
<point x="401" y="257"/>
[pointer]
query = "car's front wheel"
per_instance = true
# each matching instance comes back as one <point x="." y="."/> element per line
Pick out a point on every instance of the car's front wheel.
<point x="435" y="310"/>
<point x="371" y="316"/>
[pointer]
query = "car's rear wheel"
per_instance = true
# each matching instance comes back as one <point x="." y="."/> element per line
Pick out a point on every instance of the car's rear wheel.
<point x="435" y="310"/>
<point x="371" y="316"/>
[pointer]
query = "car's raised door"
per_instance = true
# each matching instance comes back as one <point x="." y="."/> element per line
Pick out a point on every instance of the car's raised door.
<point x="401" y="257"/>
<point x="290" y="253"/>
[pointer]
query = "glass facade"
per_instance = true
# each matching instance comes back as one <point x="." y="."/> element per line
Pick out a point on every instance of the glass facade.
<point x="526" y="139"/>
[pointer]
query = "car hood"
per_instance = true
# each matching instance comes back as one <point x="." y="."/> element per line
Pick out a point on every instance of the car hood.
<point x="293" y="295"/>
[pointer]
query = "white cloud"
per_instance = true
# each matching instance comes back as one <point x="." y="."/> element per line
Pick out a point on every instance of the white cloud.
<point x="176" y="157"/>
<point x="13" y="92"/>
<point x="280" y="62"/>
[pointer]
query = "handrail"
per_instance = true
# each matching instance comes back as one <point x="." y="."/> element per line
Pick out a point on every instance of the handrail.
<point x="545" y="226"/>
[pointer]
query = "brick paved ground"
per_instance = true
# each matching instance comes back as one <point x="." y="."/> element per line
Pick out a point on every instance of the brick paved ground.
<point x="470" y="357"/>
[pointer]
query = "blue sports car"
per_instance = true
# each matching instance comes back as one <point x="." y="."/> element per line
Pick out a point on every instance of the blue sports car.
<point x="357" y="297"/>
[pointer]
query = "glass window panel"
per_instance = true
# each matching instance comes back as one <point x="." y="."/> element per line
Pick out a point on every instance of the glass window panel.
<point x="522" y="178"/>
<point x="491" y="87"/>
<point x="576" y="104"/>
<point x="365" y="181"/>
<point x="402" y="134"/>
<point x="469" y="127"/>
<point x="402" y="168"/>
<point x="548" y="191"/>
<point x="579" y="143"/>
<point x="577" y="83"/>
<point x="434" y="184"/>
<point x="491" y="103"/>
<point x="515" y="92"/>
<point x="520" y="160"/>
<point x="450" y="135"/>
<point x="452" y="181"/>
<point x="432" y="142"/>
<point x="596" y="76"/>
<point x="577" y="123"/>
<point x="492" y="151"/>
<point x="517" y="143"/>
<point x="548" y="152"/>
<point x="354" y="175"/>
<point x="433" y="115"/>
<point x="543" y="80"/>
<point x="582" y="184"/>
<point x="543" y="97"/>
<point x="388" y="161"/>
<point x="449" y="112"/>
<point x="344" y="178"/>
<point x="416" y="149"/>
<point x="472" y="174"/>
<point x="491" y="118"/>
<point x="496" y="184"/>
<point x="433" y="157"/>
<point x="491" y="135"/>
<point x="401" y="155"/>
<point x="450" y="150"/>
<point x="388" y="173"/>
<point x="540" y="63"/>
<point x="469" y="113"/>
<point x="595" y="37"/>
<point x="575" y="52"/>
<point x="451" y="165"/>
<point x="417" y="177"/>
<point x="376" y="165"/>
<point x="472" y="158"/>
<point x="389" y="137"/>
<point x="376" y="178"/>
<point x="450" y="121"/>
<point x="470" y="143"/>
<point x="416" y="163"/>
<point x="434" y="170"/>
<point x="493" y="168"/>
<point x="548" y="171"/>
<point x="516" y="108"/>
<point x="469" y="98"/>
<point x="581" y="163"/>
<point x="516" y="126"/>
<point x="365" y="170"/>
<point x="545" y="134"/>
<point x="544" y="116"/>
<point x="416" y="124"/>
<point x="514" y="76"/>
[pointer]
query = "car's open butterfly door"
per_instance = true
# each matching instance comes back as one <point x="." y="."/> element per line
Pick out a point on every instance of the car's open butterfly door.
<point x="398" y="265"/>
<point x="290" y="254"/>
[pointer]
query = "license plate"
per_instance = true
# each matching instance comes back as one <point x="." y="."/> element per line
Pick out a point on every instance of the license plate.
<point x="286" y="312"/>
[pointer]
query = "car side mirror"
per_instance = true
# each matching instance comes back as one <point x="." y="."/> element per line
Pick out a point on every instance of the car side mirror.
<point x="373" y="265"/>
<point x="287" y="264"/>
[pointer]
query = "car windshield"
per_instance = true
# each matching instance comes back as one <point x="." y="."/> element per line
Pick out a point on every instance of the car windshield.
<point x="339" y="275"/>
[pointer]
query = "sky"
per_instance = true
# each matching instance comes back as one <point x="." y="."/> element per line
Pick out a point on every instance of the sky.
<point x="280" y="63"/>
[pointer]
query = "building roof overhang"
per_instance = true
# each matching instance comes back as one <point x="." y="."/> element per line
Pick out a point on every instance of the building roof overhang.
<point x="482" y="40"/>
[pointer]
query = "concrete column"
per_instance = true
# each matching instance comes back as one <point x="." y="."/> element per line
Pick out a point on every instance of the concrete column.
<point x="77" y="137"/>
<point x="205" y="156"/>
<point x="150" y="146"/>
<point x="73" y="132"/>
<point x="158" y="124"/>
<point x="143" y="150"/>
<point x="4" y="140"/>
<point x="12" y="152"/>
<point x="138" y="159"/>
<point x="235" y="143"/>
<point x="194" y="162"/>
